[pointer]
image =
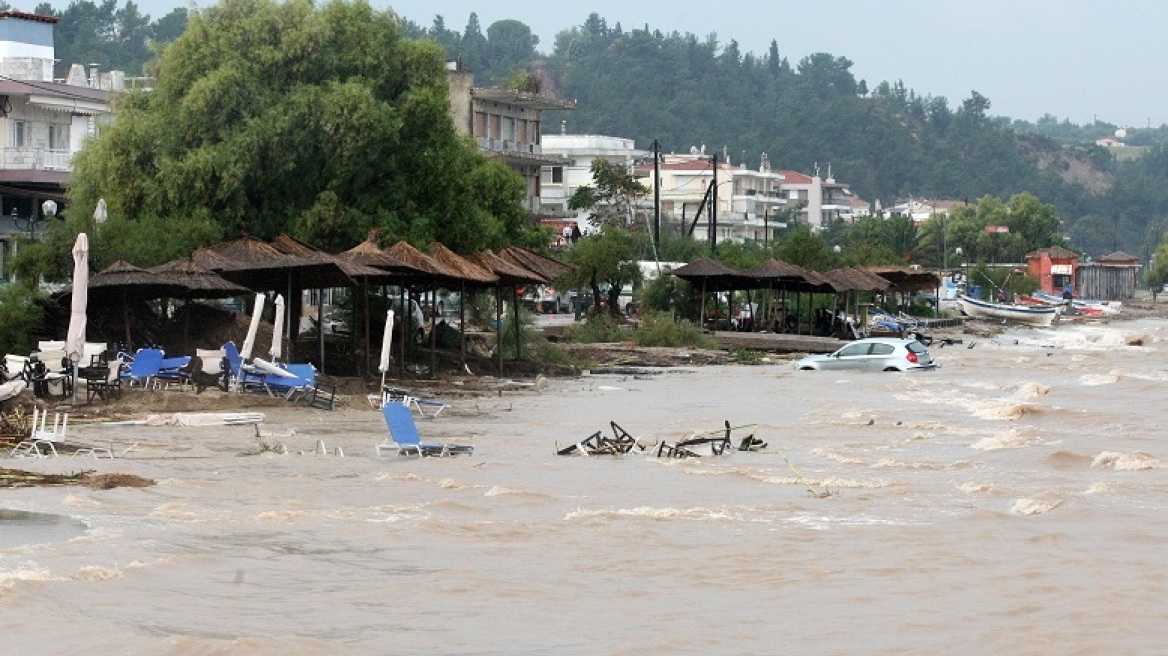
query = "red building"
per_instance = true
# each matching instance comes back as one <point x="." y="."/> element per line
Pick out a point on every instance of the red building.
<point x="1052" y="267"/>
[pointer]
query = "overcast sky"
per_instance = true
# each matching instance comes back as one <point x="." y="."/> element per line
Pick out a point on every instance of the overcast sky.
<point x="1076" y="59"/>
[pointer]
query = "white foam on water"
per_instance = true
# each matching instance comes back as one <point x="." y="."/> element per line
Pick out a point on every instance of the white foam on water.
<point x="648" y="512"/>
<point x="1011" y="438"/>
<point x="1126" y="461"/>
<point x="1110" y="378"/>
<point x="1035" y="506"/>
<point x="974" y="487"/>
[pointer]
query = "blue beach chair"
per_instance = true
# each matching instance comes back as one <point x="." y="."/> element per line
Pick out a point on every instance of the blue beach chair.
<point x="404" y="439"/>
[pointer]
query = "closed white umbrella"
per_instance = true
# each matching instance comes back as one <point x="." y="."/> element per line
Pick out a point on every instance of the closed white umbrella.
<point x="75" y="338"/>
<point x="386" y="343"/>
<point x="249" y="341"/>
<point x="278" y="329"/>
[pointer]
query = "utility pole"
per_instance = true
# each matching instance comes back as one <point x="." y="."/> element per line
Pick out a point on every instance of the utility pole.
<point x="714" y="206"/>
<point x="656" y="196"/>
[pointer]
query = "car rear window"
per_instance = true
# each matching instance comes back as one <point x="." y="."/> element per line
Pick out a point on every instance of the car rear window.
<point x="917" y="347"/>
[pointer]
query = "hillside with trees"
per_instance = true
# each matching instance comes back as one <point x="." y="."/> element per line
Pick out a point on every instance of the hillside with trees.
<point x="884" y="139"/>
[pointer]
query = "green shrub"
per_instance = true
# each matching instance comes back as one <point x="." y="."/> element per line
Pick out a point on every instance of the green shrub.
<point x="20" y="315"/>
<point x="747" y="356"/>
<point x="661" y="329"/>
<point x="601" y="328"/>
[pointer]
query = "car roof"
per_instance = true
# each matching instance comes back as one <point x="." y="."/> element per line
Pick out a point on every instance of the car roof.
<point x="885" y="340"/>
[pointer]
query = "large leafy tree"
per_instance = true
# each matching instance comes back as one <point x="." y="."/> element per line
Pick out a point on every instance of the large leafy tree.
<point x="270" y="117"/>
<point x="613" y="196"/>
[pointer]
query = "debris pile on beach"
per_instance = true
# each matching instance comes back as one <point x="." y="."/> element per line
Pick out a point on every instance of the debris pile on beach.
<point x="22" y="478"/>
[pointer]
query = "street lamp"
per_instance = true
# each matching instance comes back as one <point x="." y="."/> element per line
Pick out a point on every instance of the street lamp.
<point x="48" y="209"/>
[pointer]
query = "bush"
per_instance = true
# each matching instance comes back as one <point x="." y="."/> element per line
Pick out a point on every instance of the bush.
<point x="600" y="328"/>
<point x="21" y="314"/>
<point x="661" y="329"/>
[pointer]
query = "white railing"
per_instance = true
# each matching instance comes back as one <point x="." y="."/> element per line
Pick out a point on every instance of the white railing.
<point x="57" y="160"/>
<point x="35" y="159"/>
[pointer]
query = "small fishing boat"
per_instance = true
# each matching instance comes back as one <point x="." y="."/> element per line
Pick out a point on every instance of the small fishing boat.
<point x="1035" y="315"/>
<point x="1083" y="306"/>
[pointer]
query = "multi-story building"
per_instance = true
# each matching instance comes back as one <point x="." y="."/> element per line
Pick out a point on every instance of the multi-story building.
<point x="820" y="200"/>
<point x="506" y="125"/>
<point x="560" y="181"/>
<point x="43" y="123"/>
<point x="747" y="199"/>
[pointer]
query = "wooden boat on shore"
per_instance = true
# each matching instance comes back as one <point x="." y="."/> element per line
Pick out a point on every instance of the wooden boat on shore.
<point x="1083" y="306"/>
<point x="1034" y="315"/>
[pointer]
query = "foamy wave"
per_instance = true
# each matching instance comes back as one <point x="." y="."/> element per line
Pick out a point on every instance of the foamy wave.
<point x="1109" y="378"/>
<point x="695" y="514"/>
<point x="1030" y="390"/>
<point x="867" y="484"/>
<point x="9" y="580"/>
<point x="838" y="457"/>
<point x="1008" y="411"/>
<point x="1010" y="439"/>
<point x="95" y="573"/>
<point x="971" y="487"/>
<point x="1125" y="461"/>
<point x="499" y="490"/>
<point x="1035" y="506"/>
<point x="888" y="463"/>
<point x="1103" y="487"/>
<point x="280" y="515"/>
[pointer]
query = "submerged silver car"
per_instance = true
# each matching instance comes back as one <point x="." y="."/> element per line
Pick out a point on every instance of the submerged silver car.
<point x="873" y="354"/>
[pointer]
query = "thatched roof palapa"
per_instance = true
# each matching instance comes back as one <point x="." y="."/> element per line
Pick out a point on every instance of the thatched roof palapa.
<point x="121" y="276"/>
<point x="545" y="266"/>
<point x="712" y="275"/>
<point x="369" y="253"/>
<point x="419" y="261"/>
<point x="468" y="271"/>
<point x="508" y="272"/>
<point x="290" y="245"/>
<point x="197" y="281"/>
<point x="905" y="279"/>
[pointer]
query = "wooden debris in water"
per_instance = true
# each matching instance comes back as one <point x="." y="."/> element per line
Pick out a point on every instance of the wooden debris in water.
<point x="22" y="478"/>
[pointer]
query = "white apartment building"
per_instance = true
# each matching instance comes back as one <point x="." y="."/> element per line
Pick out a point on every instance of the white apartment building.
<point x="559" y="182"/>
<point x="43" y="123"/>
<point x="821" y="200"/>
<point x="747" y="199"/>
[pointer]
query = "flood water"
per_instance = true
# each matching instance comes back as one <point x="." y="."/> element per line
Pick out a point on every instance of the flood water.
<point x="1011" y="502"/>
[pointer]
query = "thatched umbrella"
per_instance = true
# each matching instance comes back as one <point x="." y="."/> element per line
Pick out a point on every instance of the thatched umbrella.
<point x="425" y="268"/>
<point x="341" y="273"/>
<point x="713" y="276"/>
<point x="196" y="282"/>
<point x="123" y="280"/>
<point x="543" y="265"/>
<point x="512" y="275"/>
<point x="471" y="274"/>
<point x="776" y="274"/>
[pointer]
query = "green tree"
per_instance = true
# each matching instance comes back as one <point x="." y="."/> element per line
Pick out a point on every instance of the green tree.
<point x="605" y="259"/>
<point x="1157" y="274"/>
<point x="612" y="198"/>
<point x="270" y="117"/>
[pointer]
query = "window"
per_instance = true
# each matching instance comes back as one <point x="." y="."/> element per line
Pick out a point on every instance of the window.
<point x="58" y="137"/>
<point x="18" y="129"/>
<point x="557" y="175"/>
<point x="882" y="349"/>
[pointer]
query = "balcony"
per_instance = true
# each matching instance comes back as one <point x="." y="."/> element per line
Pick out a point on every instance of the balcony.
<point x="36" y="159"/>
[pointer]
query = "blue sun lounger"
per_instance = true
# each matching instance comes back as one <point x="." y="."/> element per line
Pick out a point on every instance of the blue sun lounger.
<point x="404" y="439"/>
